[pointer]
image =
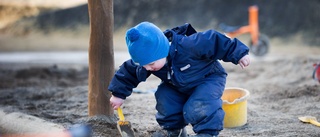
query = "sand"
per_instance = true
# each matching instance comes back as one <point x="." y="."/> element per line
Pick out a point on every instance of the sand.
<point x="51" y="93"/>
<point x="280" y="85"/>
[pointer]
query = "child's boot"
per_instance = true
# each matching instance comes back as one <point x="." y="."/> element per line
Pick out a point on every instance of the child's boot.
<point x="177" y="133"/>
<point x="202" y="135"/>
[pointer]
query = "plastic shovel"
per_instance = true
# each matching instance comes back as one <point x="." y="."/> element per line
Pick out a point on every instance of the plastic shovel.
<point x="310" y="119"/>
<point x="124" y="126"/>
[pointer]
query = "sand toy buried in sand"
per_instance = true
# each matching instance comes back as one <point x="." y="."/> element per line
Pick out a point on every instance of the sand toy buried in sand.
<point x="124" y="126"/>
<point x="310" y="119"/>
<point x="235" y="107"/>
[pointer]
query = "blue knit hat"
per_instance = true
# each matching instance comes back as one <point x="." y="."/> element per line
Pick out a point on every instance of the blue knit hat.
<point x="146" y="43"/>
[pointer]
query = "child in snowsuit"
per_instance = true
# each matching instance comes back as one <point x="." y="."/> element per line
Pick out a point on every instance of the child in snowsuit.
<point x="193" y="80"/>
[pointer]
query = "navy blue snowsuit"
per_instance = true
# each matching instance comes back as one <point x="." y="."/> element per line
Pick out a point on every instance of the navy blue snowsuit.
<point x="193" y="80"/>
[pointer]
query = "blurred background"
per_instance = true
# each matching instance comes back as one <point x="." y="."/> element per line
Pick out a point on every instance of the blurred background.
<point x="63" y="25"/>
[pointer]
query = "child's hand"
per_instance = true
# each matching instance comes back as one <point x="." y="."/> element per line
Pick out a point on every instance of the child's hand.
<point x="116" y="102"/>
<point x="244" y="61"/>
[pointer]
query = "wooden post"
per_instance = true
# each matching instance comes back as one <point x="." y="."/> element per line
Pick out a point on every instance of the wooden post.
<point x="101" y="58"/>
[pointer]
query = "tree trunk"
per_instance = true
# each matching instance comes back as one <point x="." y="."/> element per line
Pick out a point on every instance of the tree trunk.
<point x="101" y="58"/>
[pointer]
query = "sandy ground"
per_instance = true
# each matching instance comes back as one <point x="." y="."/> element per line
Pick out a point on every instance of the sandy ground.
<point x="280" y="85"/>
<point x="48" y="91"/>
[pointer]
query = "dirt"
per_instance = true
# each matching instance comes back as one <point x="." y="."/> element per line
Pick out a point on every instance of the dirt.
<point x="280" y="84"/>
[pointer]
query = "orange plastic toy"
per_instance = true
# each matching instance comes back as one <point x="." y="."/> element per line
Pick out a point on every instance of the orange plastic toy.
<point x="259" y="44"/>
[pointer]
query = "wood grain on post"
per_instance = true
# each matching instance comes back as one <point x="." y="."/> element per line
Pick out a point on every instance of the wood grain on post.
<point x="101" y="58"/>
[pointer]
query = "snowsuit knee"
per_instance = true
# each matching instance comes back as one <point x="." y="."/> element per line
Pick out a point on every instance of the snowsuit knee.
<point x="200" y="106"/>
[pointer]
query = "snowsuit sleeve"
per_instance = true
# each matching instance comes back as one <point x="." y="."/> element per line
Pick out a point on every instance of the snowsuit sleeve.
<point x="214" y="45"/>
<point x="126" y="78"/>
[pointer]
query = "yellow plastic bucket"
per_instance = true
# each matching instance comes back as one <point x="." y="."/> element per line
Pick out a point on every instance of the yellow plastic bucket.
<point x="235" y="106"/>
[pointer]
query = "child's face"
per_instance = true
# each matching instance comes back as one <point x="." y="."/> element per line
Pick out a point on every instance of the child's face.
<point x="156" y="65"/>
